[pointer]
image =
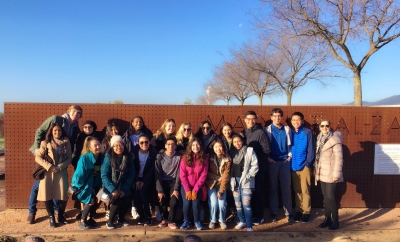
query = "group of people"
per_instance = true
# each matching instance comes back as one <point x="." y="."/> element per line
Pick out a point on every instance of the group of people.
<point x="180" y="169"/>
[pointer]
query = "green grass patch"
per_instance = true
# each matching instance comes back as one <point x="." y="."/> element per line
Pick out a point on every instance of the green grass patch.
<point x="1" y="142"/>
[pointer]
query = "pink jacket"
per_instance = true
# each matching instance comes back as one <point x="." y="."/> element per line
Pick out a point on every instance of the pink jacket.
<point x="193" y="178"/>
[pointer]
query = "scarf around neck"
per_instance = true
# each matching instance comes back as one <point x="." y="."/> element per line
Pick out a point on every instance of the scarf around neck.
<point x="238" y="155"/>
<point x="321" y="141"/>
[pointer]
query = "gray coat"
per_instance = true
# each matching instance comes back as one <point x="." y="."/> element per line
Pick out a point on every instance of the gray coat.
<point x="250" y="169"/>
<point x="331" y="160"/>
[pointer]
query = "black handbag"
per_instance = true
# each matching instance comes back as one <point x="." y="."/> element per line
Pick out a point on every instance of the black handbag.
<point x="38" y="171"/>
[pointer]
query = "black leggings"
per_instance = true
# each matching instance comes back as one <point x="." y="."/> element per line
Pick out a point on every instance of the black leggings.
<point x="329" y="191"/>
<point x="120" y="205"/>
<point x="90" y="209"/>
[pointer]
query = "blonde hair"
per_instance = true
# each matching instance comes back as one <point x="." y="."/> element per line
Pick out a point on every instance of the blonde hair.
<point x="162" y="128"/>
<point x="179" y="134"/>
<point x="86" y="144"/>
<point x="76" y="107"/>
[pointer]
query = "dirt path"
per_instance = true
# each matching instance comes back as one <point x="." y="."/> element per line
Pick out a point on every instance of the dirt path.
<point x="355" y="225"/>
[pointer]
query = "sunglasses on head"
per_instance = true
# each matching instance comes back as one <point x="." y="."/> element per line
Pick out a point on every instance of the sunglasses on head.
<point x="144" y="142"/>
<point x="323" y="126"/>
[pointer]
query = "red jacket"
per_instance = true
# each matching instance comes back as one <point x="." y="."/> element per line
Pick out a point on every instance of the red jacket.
<point x="193" y="178"/>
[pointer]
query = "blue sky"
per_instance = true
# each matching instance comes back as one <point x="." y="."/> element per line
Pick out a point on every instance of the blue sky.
<point x="143" y="52"/>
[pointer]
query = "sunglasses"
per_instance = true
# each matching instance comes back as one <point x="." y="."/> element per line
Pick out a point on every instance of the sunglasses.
<point x="323" y="126"/>
<point x="187" y="129"/>
<point x="206" y="128"/>
<point x="144" y="142"/>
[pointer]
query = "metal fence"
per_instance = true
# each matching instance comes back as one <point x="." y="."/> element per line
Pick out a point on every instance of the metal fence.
<point x="362" y="128"/>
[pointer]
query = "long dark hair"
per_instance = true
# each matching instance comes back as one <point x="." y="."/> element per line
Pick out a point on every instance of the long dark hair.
<point x="107" y="137"/>
<point x="189" y="153"/>
<point x="49" y="134"/>
<point x="223" y="147"/>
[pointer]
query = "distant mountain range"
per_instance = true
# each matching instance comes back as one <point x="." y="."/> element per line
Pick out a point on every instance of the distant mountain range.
<point x="393" y="100"/>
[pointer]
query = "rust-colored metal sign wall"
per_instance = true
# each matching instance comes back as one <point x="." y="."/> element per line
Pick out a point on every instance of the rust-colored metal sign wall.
<point x="362" y="127"/>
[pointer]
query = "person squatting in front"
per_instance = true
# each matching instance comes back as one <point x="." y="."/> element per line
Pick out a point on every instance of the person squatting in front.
<point x="87" y="180"/>
<point x="168" y="182"/>
<point x="117" y="174"/>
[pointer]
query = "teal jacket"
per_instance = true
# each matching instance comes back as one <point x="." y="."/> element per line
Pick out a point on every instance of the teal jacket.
<point x="126" y="180"/>
<point x="84" y="169"/>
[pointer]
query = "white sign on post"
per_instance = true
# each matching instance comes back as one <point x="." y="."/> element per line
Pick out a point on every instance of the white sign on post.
<point x="387" y="159"/>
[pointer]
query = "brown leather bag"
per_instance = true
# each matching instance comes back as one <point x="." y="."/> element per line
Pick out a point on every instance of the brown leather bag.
<point x="38" y="172"/>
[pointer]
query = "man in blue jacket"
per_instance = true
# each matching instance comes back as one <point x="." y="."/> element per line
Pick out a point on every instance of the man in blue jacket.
<point x="302" y="163"/>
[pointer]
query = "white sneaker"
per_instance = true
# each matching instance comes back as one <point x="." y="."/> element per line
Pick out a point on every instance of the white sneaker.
<point x="135" y="215"/>
<point x="240" y="225"/>
<point x="249" y="229"/>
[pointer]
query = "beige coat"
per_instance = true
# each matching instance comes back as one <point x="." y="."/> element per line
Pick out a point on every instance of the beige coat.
<point x="54" y="185"/>
<point x="331" y="160"/>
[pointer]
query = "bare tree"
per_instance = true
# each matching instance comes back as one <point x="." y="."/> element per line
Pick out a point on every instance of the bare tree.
<point x="259" y="83"/>
<point x="344" y="26"/>
<point x="188" y="101"/>
<point x="220" y="90"/>
<point x="293" y="62"/>
<point x="230" y="76"/>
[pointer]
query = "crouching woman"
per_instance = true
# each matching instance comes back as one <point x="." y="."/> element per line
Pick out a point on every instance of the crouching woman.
<point x="117" y="174"/>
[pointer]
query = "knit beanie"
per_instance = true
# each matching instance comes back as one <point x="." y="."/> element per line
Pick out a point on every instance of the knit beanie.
<point x="93" y="124"/>
<point x="116" y="138"/>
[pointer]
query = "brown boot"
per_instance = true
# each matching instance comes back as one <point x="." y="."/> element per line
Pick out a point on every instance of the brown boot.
<point x="31" y="218"/>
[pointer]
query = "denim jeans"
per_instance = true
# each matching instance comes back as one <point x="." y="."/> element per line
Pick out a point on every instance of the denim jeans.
<point x="242" y="198"/>
<point x="33" y="198"/>
<point x="195" y="206"/>
<point x="217" y="205"/>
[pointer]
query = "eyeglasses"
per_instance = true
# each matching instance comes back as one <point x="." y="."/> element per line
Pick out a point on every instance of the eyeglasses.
<point x="144" y="142"/>
<point x="323" y="126"/>
<point x="206" y="128"/>
<point x="87" y="127"/>
<point x="189" y="129"/>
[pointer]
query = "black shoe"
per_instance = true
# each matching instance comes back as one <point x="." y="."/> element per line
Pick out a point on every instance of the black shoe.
<point x="91" y="222"/>
<point x="258" y="221"/>
<point x="148" y="222"/>
<point x="62" y="220"/>
<point x="110" y="225"/>
<point x="272" y="217"/>
<point x="305" y="219"/>
<point x="297" y="217"/>
<point x="290" y="219"/>
<point x="79" y="216"/>
<point x="334" y="225"/>
<point x="52" y="222"/>
<point x="326" y="223"/>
